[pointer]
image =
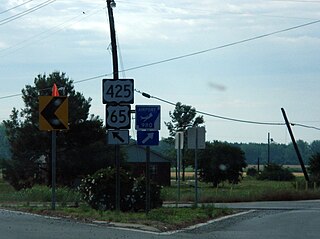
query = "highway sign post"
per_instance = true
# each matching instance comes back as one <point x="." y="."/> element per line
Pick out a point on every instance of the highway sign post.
<point x="118" y="94"/>
<point x="196" y="140"/>
<point x="179" y="141"/>
<point x="147" y="124"/>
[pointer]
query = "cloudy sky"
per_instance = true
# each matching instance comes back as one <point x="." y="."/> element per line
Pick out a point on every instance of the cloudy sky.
<point x="252" y="57"/>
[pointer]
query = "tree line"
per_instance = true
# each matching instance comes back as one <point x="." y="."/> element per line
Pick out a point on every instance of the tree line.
<point x="283" y="154"/>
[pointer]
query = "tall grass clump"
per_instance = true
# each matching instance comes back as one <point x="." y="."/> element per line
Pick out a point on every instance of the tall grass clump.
<point x="41" y="193"/>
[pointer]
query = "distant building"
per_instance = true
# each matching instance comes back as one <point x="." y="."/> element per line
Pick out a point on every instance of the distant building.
<point x="159" y="164"/>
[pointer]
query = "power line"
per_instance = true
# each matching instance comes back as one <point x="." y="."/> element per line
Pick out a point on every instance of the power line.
<point x="228" y="118"/>
<point x="222" y="46"/>
<point x="9" y="9"/>
<point x="305" y="126"/>
<point x="26" y="12"/>
<point x="46" y="34"/>
<point x="211" y="115"/>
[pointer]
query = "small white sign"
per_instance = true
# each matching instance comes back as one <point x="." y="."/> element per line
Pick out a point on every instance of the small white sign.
<point x="179" y="140"/>
<point x="196" y="138"/>
<point x="118" y="136"/>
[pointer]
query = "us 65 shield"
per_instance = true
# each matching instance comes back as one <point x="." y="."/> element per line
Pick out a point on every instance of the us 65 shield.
<point x="118" y="117"/>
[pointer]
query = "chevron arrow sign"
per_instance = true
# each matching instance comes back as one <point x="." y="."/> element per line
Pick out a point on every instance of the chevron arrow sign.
<point x="53" y="113"/>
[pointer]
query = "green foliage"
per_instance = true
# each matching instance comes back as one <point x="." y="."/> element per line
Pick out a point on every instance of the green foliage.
<point x="276" y="172"/>
<point x="98" y="191"/>
<point x="248" y="190"/>
<point x="139" y="194"/>
<point x="283" y="154"/>
<point x="220" y="162"/>
<point x="81" y="150"/>
<point x="252" y="172"/>
<point x="4" y="144"/>
<point x="314" y="168"/>
<point x="182" y="117"/>
<point x="37" y="194"/>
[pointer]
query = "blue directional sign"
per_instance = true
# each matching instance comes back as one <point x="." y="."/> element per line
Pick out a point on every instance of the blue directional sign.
<point x="148" y="138"/>
<point x="148" y="117"/>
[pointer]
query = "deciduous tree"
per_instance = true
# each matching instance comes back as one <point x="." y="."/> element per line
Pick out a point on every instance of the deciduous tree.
<point x="183" y="117"/>
<point x="220" y="162"/>
<point x="80" y="150"/>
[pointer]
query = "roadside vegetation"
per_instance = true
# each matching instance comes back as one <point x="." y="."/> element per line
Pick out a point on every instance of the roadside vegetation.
<point x="71" y="205"/>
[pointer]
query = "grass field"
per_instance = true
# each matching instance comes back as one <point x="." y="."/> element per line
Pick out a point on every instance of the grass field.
<point x="248" y="190"/>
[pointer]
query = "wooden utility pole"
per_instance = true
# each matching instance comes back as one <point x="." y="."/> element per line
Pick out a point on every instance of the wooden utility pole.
<point x="306" y="176"/>
<point x="110" y="4"/>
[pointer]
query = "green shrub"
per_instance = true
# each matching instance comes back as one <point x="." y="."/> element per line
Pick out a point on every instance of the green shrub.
<point x="99" y="190"/>
<point x="276" y="172"/>
<point x="252" y="172"/>
<point x="139" y="194"/>
<point x="314" y="168"/>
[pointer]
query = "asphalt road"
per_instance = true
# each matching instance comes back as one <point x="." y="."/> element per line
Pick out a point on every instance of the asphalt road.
<point x="264" y="220"/>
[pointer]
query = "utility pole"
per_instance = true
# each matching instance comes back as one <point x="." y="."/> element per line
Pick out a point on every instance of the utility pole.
<point x="110" y="5"/>
<point x="305" y="173"/>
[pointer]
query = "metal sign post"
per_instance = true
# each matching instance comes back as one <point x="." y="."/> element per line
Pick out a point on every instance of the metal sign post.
<point x="196" y="170"/>
<point x="53" y="168"/>
<point x="179" y="147"/>
<point x="148" y="198"/>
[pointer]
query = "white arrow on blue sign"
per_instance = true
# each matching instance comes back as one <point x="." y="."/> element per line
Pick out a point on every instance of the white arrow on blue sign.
<point x="148" y="138"/>
<point x="148" y="117"/>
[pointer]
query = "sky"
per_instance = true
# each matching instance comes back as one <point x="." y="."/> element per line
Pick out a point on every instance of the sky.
<point x="243" y="60"/>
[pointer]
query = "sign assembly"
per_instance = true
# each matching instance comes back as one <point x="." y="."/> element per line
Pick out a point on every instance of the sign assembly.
<point x="118" y="94"/>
